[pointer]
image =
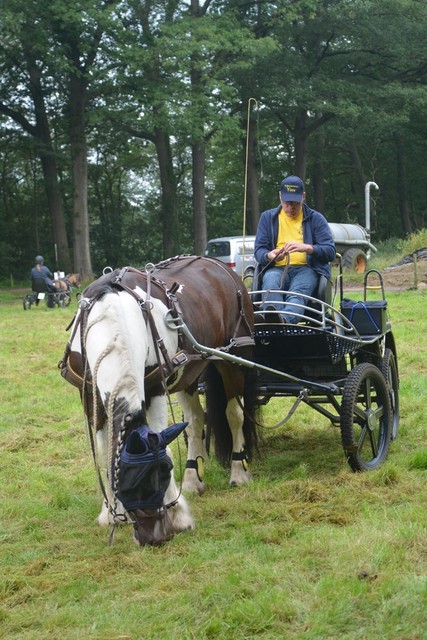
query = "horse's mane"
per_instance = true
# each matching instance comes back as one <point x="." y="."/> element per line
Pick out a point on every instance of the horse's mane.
<point x="98" y="289"/>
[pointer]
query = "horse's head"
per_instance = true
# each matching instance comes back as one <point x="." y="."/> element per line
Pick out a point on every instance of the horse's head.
<point x="74" y="279"/>
<point x="144" y="475"/>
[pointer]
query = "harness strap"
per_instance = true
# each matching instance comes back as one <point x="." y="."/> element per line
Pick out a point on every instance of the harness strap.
<point x="146" y="310"/>
<point x="159" y="373"/>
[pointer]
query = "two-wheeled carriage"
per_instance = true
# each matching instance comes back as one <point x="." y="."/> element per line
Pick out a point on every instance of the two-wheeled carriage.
<point x="342" y="362"/>
<point x="339" y="359"/>
<point x="60" y="296"/>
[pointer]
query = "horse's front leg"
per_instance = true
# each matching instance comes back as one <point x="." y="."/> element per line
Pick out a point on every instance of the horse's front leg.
<point x="240" y="473"/>
<point x="194" y="414"/>
<point x="180" y="514"/>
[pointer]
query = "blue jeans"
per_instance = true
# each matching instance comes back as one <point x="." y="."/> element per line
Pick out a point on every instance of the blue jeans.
<point x="298" y="280"/>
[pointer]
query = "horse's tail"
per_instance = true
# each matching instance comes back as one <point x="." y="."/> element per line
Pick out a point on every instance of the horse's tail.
<point x="216" y="419"/>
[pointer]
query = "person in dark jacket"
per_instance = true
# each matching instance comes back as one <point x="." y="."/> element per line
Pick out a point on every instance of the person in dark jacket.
<point x="296" y="233"/>
<point x="40" y="270"/>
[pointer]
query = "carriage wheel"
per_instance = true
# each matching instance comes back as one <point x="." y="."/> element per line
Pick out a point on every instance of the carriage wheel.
<point x="388" y="368"/>
<point x="366" y="418"/>
<point x="26" y="303"/>
<point x="67" y="299"/>
<point x="61" y="301"/>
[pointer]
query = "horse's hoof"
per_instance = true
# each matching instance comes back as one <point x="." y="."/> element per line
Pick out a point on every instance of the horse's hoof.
<point x="192" y="484"/>
<point x="240" y="474"/>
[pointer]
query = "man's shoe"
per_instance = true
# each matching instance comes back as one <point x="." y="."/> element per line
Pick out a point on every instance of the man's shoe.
<point x="273" y="318"/>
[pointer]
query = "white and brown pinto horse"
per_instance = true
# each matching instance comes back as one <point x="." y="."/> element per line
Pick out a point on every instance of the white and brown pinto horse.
<point x="125" y="347"/>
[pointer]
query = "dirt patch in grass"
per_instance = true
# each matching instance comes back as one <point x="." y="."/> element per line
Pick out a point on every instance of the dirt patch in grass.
<point x="406" y="276"/>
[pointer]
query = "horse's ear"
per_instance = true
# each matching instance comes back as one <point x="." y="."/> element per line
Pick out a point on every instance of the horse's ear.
<point x="136" y="444"/>
<point x="173" y="432"/>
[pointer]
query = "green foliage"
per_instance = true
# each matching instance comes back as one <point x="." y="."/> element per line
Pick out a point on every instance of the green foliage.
<point x="187" y="73"/>
<point x="417" y="240"/>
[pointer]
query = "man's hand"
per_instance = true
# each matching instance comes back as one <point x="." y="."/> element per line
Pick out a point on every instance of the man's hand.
<point x="290" y="247"/>
<point x="276" y="254"/>
<point x="300" y="247"/>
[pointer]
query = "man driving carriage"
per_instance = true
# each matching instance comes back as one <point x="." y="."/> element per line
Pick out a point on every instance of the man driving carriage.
<point x="293" y="246"/>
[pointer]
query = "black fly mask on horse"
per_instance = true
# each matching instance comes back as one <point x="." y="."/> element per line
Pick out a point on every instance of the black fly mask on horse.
<point x="145" y="472"/>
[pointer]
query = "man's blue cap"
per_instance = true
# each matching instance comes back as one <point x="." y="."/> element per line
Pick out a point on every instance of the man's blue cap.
<point x="292" y="189"/>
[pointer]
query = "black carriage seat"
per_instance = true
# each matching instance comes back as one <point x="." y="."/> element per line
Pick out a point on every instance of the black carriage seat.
<point x="39" y="285"/>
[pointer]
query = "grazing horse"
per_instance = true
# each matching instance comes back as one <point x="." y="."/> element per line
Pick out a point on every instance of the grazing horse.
<point x="128" y="351"/>
<point x="69" y="281"/>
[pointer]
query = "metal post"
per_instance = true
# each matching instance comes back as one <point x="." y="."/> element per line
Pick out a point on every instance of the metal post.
<point x="368" y="186"/>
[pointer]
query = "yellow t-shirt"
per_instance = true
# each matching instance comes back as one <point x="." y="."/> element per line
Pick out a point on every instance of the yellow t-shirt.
<point x="290" y="230"/>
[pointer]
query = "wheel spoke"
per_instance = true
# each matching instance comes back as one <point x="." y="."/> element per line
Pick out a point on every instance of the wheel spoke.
<point x="374" y="444"/>
<point x="368" y="392"/>
<point x="361" y="413"/>
<point x="363" y="433"/>
<point x="378" y="412"/>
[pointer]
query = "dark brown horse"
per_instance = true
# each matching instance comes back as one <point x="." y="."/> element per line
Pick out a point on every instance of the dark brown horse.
<point x="127" y="345"/>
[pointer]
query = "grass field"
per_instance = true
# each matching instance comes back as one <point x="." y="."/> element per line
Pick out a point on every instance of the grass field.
<point x="309" y="551"/>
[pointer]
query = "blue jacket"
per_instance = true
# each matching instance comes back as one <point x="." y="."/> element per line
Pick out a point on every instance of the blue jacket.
<point x="44" y="273"/>
<point x="315" y="230"/>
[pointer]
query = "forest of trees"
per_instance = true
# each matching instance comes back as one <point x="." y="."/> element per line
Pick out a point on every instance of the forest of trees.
<point x="130" y="128"/>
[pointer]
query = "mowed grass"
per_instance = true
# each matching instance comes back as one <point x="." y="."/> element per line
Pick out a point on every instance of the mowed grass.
<point x="308" y="551"/>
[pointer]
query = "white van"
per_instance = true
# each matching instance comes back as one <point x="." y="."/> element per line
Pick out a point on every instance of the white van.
<point x="235" y="251"/>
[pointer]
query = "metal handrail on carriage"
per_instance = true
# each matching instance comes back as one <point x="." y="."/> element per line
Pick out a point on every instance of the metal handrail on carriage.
<point x="323" y="356"/>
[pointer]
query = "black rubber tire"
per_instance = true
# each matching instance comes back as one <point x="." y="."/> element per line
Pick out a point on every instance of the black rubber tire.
<point x="355" y="260"/>
<point x="388" y="368"/>
<point x="26" y="303"/>
<point x="366" y="418"/>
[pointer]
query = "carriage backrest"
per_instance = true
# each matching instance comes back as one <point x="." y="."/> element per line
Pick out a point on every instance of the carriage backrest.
<point x="39" y="285"/>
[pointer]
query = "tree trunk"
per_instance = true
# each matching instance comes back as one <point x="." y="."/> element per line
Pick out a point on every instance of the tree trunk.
<point x="82" y="259"/>
<point x="401" y="186"/>
<point x="199" y="199"/>
<point x="41" y="132"/>
<point x="169" y="213"/>
<point x="357" y="166"/>
<point x="319" y="174"/>
<point x="300" y="140"/>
